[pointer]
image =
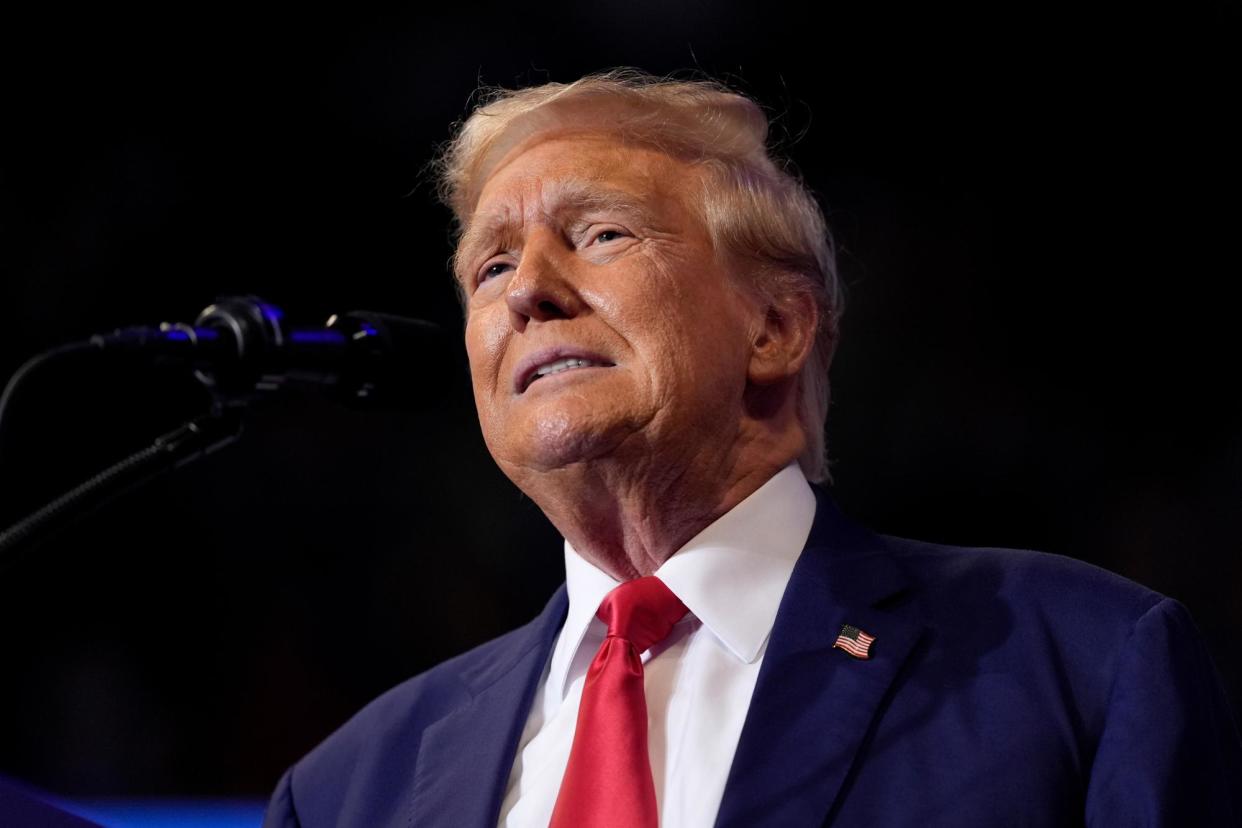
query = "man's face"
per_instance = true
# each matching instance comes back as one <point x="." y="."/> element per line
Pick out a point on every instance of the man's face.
<point x="600" y="321"/>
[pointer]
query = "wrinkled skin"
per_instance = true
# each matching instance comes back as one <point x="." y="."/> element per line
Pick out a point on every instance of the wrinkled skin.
<point x="581" y="246"/>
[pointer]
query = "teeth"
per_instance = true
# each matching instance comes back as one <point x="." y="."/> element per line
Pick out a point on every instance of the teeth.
<point x="561" y="365"/>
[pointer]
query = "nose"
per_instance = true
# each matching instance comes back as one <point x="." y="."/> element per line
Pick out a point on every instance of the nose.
<point x="541" y="289"/>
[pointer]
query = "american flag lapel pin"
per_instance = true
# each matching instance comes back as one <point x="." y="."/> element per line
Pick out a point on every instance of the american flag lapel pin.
<point x="855" y="642"/>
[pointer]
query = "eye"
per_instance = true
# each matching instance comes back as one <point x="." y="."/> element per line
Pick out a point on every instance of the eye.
<point x="608" y="235"/>
<point x="493" y="269"/>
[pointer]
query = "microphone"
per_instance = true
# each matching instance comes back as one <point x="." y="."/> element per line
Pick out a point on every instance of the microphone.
<point x="242" y="347"/>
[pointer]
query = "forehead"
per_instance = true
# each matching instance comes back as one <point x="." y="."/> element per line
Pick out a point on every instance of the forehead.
<point x="587" y="170"/>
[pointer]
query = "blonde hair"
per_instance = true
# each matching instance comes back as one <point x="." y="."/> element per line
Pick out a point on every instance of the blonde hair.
<point x="754" y="207"/>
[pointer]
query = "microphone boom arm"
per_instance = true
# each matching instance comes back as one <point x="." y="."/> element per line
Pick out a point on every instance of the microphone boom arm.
<point x="185" y="444"/>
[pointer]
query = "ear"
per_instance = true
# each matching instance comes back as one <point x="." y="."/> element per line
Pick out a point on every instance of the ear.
<point x="784" y="341"/>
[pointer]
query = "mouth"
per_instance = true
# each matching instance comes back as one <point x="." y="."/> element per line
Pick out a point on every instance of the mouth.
<point x="550" y="364"/>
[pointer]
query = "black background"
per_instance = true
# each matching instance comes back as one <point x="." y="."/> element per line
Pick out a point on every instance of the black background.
<point x="1037" y="211"/>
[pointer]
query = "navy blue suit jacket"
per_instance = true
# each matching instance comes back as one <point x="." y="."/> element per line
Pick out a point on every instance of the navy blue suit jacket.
<point x="1005" y="688"/>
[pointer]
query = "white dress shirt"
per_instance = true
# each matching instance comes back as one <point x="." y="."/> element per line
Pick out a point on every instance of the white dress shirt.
<point x="698" y="681"/>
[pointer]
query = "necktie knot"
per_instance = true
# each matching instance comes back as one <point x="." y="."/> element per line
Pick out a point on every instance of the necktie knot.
<point x="642" y="611"/>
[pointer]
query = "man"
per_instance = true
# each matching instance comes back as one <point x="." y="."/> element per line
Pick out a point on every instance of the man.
<point x="651" y="308"/>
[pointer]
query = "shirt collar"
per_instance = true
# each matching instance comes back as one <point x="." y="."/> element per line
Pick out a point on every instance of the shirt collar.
<point x="731" y="575"/>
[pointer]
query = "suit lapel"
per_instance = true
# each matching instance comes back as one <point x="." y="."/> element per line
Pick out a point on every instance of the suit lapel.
<point x="813" y="705"/>
<point x="465" y="758"/>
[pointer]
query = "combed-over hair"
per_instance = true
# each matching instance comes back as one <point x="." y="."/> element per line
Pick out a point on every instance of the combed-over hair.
<point x="754" y="207"/>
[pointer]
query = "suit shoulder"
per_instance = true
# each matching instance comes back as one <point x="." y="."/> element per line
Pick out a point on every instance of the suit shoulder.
<point x="1051" y="630"/>
<point x="1037" y="582"/>
<point x="423" y="698"/>
<point x="359" y="762"/>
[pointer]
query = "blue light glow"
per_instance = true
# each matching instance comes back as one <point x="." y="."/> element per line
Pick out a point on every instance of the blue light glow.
<point x="317" y="338"/>
<point x="182" y="335"/>
<point x="164" y="813"/>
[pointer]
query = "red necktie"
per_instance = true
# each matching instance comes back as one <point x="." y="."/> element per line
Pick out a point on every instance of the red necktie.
<point x="608" y="780"/>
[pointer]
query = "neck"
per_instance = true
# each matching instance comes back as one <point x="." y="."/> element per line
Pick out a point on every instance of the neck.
<point x="628" y="518"/>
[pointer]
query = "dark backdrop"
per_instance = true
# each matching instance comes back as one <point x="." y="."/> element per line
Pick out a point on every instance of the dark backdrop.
<point x="1037" y="212"/>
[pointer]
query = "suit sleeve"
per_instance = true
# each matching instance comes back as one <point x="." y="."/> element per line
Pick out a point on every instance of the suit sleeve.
<point x="280" y="811"/>
<point x="1169" y="754"/>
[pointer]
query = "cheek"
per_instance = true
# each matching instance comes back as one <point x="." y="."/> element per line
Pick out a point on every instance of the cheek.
<point x="649" y="309"/>
<point x="485" y="341"/>
<point x="706" y="351"/>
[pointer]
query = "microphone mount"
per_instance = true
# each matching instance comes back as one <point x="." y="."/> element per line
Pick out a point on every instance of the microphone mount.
<point x="242" y="347"/>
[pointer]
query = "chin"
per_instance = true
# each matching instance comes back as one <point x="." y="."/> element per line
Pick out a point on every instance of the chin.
<point x="557" y="439"/>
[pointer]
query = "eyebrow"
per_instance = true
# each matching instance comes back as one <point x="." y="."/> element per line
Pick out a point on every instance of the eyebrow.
<point x="569" y="198"/>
